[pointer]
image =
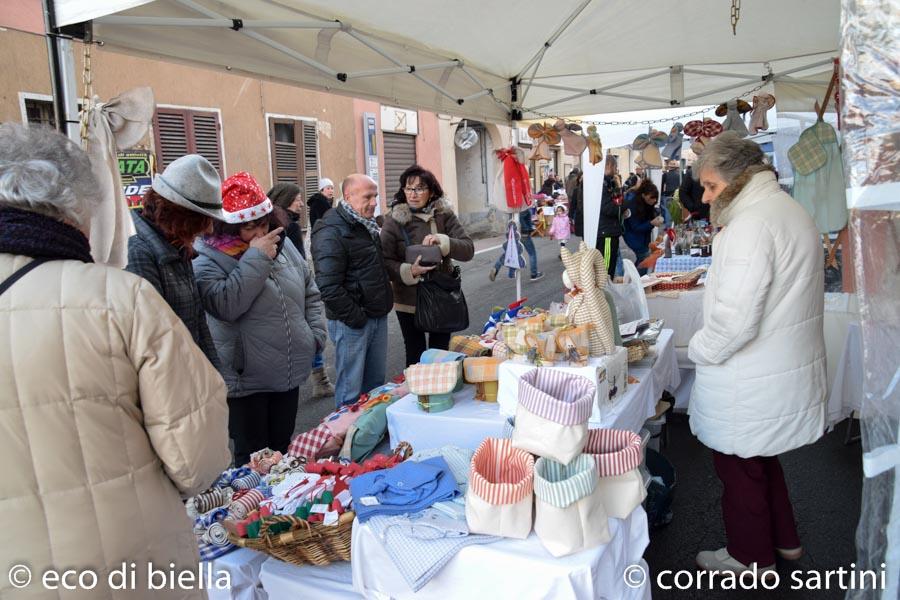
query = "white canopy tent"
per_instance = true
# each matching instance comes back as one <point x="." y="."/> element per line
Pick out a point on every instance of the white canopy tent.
<point x="491" y="60"/>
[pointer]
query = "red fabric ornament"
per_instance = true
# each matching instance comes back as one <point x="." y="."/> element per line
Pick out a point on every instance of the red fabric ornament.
<point x="515" y="179"/>
<point x="243" y="199"/>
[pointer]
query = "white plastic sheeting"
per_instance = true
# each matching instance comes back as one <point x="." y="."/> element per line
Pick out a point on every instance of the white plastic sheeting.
<point x="573" y="57"/>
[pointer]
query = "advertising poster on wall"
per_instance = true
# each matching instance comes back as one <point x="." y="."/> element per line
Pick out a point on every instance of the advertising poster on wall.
<point x="136" y="168"/>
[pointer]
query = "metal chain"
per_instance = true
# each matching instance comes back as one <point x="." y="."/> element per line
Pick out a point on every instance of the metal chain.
<point x="703" y="110"/>
<point x="735" y="15"/>
<point x="87" y="79"/>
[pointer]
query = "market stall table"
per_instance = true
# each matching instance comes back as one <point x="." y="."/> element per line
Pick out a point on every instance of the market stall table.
<point x="470" y="421"/>
<point x="845" y="395"/>
<point x="510" y="568"/>
<point x="679" y="263"/>
<point x="283" y="580"/>
<point x="243" y="567"/>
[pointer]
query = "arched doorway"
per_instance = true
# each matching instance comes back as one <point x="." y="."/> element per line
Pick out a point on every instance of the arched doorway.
<point x="475" y="172"/>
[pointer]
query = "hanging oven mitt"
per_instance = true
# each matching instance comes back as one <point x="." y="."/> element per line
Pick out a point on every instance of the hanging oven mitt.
<point x="808" y="154"/>
<point x="672" y="149"/>
<point x="595" y="146"/>
<point x="758" y="119"/>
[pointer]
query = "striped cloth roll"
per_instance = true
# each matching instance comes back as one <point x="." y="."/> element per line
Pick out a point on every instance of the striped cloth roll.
<point x="207" y="501"/>
<point x="615" y="451"/>
<point x="244" y="502"/>
<point x="247" y="482"/>
<point x="501" y="474"/>
<point x="561" y="485"/>
<point x="557" y="396"/>
<point x="229" y="475"/>
<point x="208" y="527"/>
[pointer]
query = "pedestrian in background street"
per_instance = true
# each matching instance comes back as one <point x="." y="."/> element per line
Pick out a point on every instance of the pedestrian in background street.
<point x="609" y="225"/>
<point x="356" y="290"/>
<point x="288" y="200"/>
<point x="265" y="316"/>
<point x="320" y="202"/>
<point x="179" y="206"/>
<point x="420" y="214"/>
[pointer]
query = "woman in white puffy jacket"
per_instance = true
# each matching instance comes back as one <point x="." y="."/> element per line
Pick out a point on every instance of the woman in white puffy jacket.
<point x="760" y="356"/>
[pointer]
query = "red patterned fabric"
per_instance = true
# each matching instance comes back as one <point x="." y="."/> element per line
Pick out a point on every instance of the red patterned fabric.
<point x="515" y="179"/>
<point x="243" y="200"/>
<point x="310" y="443"/>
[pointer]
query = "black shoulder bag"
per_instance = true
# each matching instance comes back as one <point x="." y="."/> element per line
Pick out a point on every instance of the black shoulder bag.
<point x="440" y="303"/>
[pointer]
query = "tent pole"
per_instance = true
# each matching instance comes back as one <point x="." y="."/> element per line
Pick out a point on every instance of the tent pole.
<point x="62" y="76"/>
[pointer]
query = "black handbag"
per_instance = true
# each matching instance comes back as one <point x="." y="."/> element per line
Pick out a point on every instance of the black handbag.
<point x="440" y="303"/>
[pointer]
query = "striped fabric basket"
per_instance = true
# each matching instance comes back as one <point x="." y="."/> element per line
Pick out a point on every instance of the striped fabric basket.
<point x="617" y="454"/>
<point x="482" y="371"/>
<point x="434" y="384"/>
<point x="552" y="414"/>
<point x="501" y="487"/>
<point x="569" y="512"/>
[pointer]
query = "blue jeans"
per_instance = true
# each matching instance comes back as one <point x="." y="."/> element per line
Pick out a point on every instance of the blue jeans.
<point x="318" y="360"/>
<point x="360" y="358"/>
<point x="529" y="248"/>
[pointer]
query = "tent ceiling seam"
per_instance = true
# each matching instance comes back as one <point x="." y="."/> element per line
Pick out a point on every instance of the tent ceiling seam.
<point x="552" y="39"/>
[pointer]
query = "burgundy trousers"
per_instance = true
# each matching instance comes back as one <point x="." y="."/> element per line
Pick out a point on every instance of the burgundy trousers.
<point x="755" y="507"/>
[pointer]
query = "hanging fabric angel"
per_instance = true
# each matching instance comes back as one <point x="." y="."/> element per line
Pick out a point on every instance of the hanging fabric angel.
<point x="672" y="149"/>
<point x="649" y="145"/>
<point x="761" y="105"/>
<point x="573" y="142"/>
<point x="595" y="146"/>
<point x="543" y="137"/>
<point x="516" y="186"/>
<point x="734" y="111"/>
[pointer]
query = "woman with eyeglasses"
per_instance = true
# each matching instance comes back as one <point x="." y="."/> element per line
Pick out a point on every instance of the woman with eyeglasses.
<point x="265" y="315"/>
<point x="420" y="214"/>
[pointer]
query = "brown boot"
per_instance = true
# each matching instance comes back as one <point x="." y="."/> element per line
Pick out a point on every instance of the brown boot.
<point x="322" y="387"/>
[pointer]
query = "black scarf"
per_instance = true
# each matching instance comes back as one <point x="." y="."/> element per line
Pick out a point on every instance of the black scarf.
<point x="31" y="234"/>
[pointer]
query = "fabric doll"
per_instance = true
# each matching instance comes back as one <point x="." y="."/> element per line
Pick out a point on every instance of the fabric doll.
<point x="587" y="271"/>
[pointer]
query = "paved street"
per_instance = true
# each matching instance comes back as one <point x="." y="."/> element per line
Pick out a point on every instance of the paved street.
<point x="824" y="479"/>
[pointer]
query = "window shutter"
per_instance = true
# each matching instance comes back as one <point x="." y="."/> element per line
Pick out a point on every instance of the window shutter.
<point x="178" y="132"/>
<point x="206" y="138"/>
<point x="284" y="151"/>
<point x="310" y="159"/>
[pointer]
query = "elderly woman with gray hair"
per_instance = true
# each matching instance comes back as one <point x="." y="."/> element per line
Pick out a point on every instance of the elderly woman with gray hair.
<point x="760" y="356"/>
<point x="111" y="412"/>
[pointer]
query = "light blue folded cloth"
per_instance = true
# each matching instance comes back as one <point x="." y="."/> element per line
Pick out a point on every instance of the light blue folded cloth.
<point x="406" y="488"/>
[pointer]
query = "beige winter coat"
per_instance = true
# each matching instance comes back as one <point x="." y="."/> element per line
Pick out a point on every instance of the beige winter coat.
<point x="109" y="413"/>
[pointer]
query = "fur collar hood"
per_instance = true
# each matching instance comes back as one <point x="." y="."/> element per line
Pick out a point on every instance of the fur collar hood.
<point x="720" y="212"/>
<point x="401" y="212"/>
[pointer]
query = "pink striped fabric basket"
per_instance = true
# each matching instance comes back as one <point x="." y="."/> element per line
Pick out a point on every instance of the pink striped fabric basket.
<point x="617" y="454"/>
<point x="501" y="489"/>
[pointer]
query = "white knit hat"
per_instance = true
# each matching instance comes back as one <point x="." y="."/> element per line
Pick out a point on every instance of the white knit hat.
<point x="324" y="183"/>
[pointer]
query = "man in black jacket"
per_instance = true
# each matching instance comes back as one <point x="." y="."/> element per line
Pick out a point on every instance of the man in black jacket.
<point x="353" y="280"/>
<point x="691" y="196"/>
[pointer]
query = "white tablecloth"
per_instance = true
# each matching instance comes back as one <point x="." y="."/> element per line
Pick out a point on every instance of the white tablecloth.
<point x="846" y="393"/>
<point x="683" y="314"/>
<point x="678" y="264"/>
<point x="243" y="568"/>
<point x="510" y="568"/>
<point x="470" y="421"/>
<point x="290" y="582"/>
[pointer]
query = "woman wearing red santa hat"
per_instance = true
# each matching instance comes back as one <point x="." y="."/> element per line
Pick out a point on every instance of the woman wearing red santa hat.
<point x="265" y="315"/>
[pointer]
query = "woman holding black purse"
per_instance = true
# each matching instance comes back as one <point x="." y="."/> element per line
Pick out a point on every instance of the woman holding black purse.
<point x="420" y="218"/>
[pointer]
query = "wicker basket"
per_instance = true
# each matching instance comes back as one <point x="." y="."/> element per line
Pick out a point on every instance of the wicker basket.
<point x="304" y="543"/>
<point x="636" y="352"/>
<point x="680" y="281"/>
